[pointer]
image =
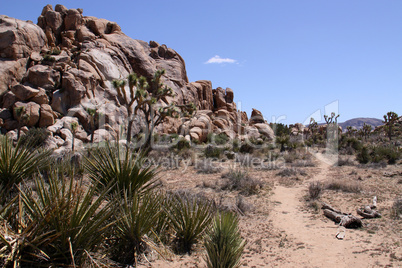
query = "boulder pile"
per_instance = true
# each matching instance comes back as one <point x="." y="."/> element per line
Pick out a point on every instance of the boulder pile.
<point x="54" y="73"/>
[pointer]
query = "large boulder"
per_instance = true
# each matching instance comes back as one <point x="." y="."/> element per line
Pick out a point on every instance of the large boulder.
<point x="256" y="117"/>
<point x="24" y="92"/>
<point x="27" y="113"/>
<point x="11" y="70"/>
<point x="19" y="38"/>
<point x="43" y="76"/>
<point x="47" y="116"/>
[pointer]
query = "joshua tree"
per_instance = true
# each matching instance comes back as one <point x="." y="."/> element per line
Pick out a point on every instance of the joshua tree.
<point x="366" y="130"/>
<point x="389" y="120"/>
<point x="142" y="101"/>
<point x="313" y="129"/>
<point x="350" y="131"/>
<point x="92" y="113"/>
<point x="331" y="119"/>
<point x="74" y="127"/>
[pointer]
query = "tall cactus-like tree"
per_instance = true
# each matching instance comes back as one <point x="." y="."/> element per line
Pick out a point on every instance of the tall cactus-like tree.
<point x="333" y="119"/>
<point x="143" y="98"/>
<point x="366" y="130"/>
<point x="389" y="120"/>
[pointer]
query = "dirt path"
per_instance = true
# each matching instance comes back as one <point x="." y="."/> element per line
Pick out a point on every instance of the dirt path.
<point x="316" y="245"/>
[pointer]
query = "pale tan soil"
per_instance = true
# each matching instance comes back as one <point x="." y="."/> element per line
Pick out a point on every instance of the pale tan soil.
<point x="284" y="230"/>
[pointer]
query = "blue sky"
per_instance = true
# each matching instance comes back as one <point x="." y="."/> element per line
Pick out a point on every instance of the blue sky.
<point x="288" y="59"/>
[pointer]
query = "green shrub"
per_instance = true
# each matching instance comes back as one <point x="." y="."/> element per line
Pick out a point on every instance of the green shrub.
<point x="35" y="137"/>
<point x="58" y="224"/>
<point x="120" y="169"/>
<point x="363" y="156"/>
<point x="223" y="243"/>
<point x="213" y="151"/>
<point x="381" y="153"/>
<point x="344" y="186"/>
<point x="55" y="51"/>
<point x="18" y="163"/>
<point x="49" y="58"/>
<point x="188" y="218"/>
<point x="136" y="217"/>
<point x="183" y="144"/>
<point x="246" y="148"/>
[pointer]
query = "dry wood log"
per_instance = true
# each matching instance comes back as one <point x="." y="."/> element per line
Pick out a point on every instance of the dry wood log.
<point x="368" y="212"/>
<point x="348" y="221"/>
<point x="326" y="206"/>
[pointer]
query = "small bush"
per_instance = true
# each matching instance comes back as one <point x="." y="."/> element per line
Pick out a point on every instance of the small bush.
<point x="314" y="190"/>
<point x="345" y="161"/>
<point x="246" y="148"/>
<point x="287" y="172"/>
<point x="189" y="218"/>
<point x="238" y="179"/>
<point x="363" y="156"/>
<point x="243" y="205"/>
<point x="49" y="58"/>
<point x="213" y="151"/>
<point x="182" y="144"/>
<point x="396" y="210"/>
<point x="207" y="167"/>
<point x="381" y="153"/>
<point x="223" y="243"/>
<point x="35" y="137"/>
<point x="55" y="51"/>
<point x="344" y="186"/>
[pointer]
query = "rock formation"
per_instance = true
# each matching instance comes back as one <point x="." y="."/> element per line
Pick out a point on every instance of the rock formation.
<point x="63" y="66"/>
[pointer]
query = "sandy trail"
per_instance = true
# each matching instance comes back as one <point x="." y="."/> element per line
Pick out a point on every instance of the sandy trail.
<point x="317" y="245"/>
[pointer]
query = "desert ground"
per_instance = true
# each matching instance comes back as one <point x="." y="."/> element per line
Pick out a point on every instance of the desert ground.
<point x="283" y="228"/>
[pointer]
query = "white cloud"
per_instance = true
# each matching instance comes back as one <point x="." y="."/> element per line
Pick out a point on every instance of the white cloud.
<point x="219" y="60"/>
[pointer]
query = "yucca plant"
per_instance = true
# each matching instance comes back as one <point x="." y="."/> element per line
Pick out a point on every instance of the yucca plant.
<point x="112" y="166"/>
<point x="74" y="220"/>
<point x="223" y="243"/>
<point x="136" y="217"/>
<point x="189" y="218"/>
<point x="18" y="163"/>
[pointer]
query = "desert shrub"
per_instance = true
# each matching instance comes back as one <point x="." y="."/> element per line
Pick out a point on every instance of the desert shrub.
<point x="182" y="144"/>
<point x="188" y="218"/>
<point x="349" y="145"/>
<point x="236" y="145"/>
<point x="287" y="172"/>
<point x="344" y="186"/>
<point x="218" y="139"/>
<point x="363" y="156"/>
<point x="213" y="151"/>
<point x="35" y="137"/>
<point x="58" y="225"/>
<point x="396" y="209"/>
<point x="388" y="153"/>
<point x="242" y="204"/>
<point x="48" y="58"/>
<point x="244" y="159"/>
<point x="206" y="166"/>
<point x="120" y="169"/>
<point x="246" y="148"/>
<point x="314" y="190"/>
<point x="238" y="179"/>
<point x="136" y="217"/>
<point x="18" y="163"/>
<point x="303" y="163"/>
<point x="55" y="51"/>
<point x="223" y="243"/>
<point x="345" y="161"/>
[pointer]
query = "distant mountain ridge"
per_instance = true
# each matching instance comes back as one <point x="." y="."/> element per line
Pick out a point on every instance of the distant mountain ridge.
<point x="359" y="122"/>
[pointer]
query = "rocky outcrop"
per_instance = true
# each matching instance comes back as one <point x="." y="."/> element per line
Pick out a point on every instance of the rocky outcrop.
<point x="64" y="66"/>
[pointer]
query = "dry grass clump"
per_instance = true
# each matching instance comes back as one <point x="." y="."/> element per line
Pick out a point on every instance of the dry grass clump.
<point x="290" y="172"/>
<point x="239" y="179"/>
<point x="396" y="209"/>
<point x="315" y="190"/>
<point x="344" y="186"/>
<point x="346" y="161"/>
<point x="207" y="166"/>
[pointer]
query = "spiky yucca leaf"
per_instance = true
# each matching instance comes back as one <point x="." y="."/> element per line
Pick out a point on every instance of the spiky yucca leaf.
<point x="76" y="218"/>
<point x="136" y="216"/>
<point x="188" y="218"/>
<point x="18" y="163"/>
<point x="223" y="242"/>
<point x="120" y="169"/>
